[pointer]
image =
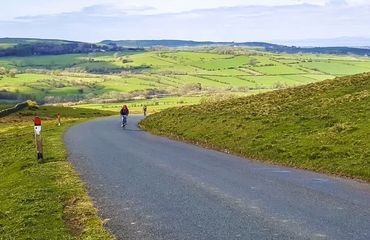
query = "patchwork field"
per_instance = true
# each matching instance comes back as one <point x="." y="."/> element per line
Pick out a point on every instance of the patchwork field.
<point x="129" y="75"/>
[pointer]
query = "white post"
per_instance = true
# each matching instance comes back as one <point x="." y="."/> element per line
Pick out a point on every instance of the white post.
<point x="38" y="138"/>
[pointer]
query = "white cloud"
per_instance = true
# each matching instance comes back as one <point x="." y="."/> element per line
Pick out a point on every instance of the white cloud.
<point x="13" y="9"/>
<point x="209" y="20"/>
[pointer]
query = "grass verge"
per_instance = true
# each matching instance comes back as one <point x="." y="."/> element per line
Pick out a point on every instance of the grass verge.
<point x="322" y="126"/>
<point x="43" y="200"/>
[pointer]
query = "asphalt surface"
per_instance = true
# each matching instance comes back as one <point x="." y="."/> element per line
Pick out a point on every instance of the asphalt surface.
<point x="148" y="187"/>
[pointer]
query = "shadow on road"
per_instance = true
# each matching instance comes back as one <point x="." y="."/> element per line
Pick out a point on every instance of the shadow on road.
<point x="134" y="130"/>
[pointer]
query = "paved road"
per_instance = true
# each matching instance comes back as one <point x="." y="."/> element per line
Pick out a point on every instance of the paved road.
<point x="154" y="188"/>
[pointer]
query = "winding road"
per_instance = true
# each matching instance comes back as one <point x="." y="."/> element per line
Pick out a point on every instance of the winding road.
<point x="149" y="187"/>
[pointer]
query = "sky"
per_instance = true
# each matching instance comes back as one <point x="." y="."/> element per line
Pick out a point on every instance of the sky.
<point x="215" y="20"/>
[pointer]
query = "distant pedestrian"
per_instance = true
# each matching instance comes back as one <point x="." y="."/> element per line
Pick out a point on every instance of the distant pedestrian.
<point x="58" y="119"/>
<point x="145" y="110"/>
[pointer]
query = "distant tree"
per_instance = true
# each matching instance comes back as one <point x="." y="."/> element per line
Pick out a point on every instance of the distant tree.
<point x="279" y="85"/>
<point x="253" y="62"/>
<point x="57" y="73"/>
<point x="12" y="72"/>
<point x="3" y="71"/>
<point x="117" y="55"/>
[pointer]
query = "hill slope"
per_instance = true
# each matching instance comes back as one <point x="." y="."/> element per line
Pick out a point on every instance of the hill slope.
<point x="322" y="126"/>
<point x="33" y="46"/>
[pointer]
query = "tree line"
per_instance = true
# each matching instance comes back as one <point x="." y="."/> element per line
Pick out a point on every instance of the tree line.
<point x="45" y="48"/>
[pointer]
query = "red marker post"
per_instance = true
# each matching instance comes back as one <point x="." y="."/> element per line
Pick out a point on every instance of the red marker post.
<point x="38" y="139"/>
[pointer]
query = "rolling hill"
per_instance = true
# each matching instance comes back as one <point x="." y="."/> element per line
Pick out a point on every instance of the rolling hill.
<point x="32" y="46"/>
<point x="276" y="48"/>
<point x="129" y="74"/>
<point x="321" y="126"/>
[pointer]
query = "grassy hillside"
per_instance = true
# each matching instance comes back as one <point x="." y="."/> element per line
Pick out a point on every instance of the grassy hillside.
<point x="322" y="126"/>
<point x="43" y="200"/>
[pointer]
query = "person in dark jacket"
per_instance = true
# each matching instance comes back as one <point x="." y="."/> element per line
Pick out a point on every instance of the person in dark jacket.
<point x="124" y="114"/>
<point x="145" y="110"/>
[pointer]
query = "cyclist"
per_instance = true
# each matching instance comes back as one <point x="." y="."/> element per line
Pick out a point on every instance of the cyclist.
<point x="124" y="113"/>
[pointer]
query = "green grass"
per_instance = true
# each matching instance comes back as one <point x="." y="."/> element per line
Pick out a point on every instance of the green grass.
<point x="206" y="81"/>
<point x="335" y="68"/>
<point x="48" y="62"/>
<point x="129" y="84"/>
<point x="225" y="63"/>
<point x="43" y="200"/>
<point x="6" y="45"/>
<point x="321" y="126"/>
<point x="278" y="70"/>
<point x="159" y="104"/>
<point x="154" y="105"/>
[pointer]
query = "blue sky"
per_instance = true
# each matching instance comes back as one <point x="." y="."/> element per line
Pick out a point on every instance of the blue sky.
<point x="218" y="20"/>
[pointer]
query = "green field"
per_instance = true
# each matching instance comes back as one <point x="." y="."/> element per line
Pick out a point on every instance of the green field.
<point x="158" y="104"/>
<point x="153" y="105"/>
<point x="6" y="45"/>
<point x="321" y="126"/>
<point x="43" y="200"/>
<point x="129" y="75"/>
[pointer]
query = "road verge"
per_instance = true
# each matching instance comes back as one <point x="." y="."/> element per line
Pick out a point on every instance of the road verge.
<point x="43" y="200"/>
